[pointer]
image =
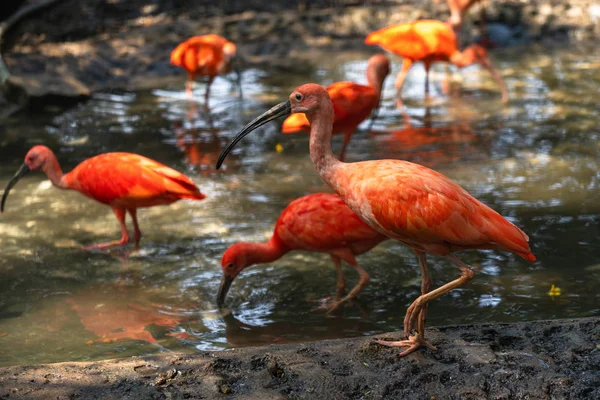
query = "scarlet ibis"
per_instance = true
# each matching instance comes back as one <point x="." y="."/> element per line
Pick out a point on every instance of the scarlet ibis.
<point x="206" y="55"/>
<point x="319" y="222"/>
<point x="430" y="41"/>
<point x="123" y="181"/>
<point x="352" y="103"/>
<point x="404" y="201"/>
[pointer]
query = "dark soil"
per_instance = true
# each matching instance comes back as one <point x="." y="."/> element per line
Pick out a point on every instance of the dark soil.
<point x="535" y="360"/>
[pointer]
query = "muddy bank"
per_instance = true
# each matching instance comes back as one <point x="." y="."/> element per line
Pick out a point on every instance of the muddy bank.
<point x="76" y="47"/>
<point x="536" y="360"/>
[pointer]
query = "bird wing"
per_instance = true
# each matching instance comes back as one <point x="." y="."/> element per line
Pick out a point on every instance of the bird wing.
<point x="321" y="221"/>
<point x="351" y="100"/>
<point x="198" y="54"/>
<point x="424" y="208"/>
<point x="415" y="40"/>
<point x="127" y="178"/>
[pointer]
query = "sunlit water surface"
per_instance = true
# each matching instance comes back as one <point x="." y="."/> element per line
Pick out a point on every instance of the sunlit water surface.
<point x="534" y="160"/>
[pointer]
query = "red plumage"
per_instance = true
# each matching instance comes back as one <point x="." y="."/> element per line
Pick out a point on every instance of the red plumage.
<point x="123" y="181"/>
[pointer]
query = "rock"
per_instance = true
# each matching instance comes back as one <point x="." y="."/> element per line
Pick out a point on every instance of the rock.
<point x="36" y="88"/>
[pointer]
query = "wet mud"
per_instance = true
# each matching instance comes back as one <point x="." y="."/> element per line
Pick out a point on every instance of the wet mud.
<point x="533" y="360"/>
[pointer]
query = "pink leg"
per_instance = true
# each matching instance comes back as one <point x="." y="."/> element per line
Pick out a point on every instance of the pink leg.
<point x="189" y="85"/>
<point x="363" y="279"/>
<point x="120" y="214"/>
<point x="416" y="308"/>
<point x="137" y="234"/>
<point x="406" y="64"/>
<point x="341" y="279"/>
<point x="347" y="137"/>
<point x="418" y="340"/>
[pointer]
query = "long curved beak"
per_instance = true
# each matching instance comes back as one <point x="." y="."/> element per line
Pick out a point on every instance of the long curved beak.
<point x="487" y="64"/>
<point x="281" y="109"/>
<point x="223" y="289"/>
<point x="24" y="170"/>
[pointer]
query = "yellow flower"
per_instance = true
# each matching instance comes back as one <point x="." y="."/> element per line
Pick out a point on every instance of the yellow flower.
<point x="278" y="148"/>
<point x="554" y="291"/>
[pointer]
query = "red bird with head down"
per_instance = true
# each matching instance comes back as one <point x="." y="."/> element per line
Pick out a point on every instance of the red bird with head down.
<point x="430" y="41"/>
<point x="404" y="201"/>
<point x="319" y="222"/>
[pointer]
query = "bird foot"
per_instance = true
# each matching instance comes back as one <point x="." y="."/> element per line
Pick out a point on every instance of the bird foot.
<point x="413" y="343"/>
<point x="330" y="304"/>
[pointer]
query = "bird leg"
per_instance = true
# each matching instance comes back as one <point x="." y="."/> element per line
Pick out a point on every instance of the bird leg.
<point x="207" y="92"/>
<point x="406" y="64"/>
<point x="137" y="234"/>
<point x="418" y="305"/>
<point x="347" y="136"/>
<point x="363" y="279"/>
<point x="341" y="279"/>
<point x="427" y="65"/>
<point x="418" y="340"/>
<point x="189" y="85"/>
<point x="426" y="285"/>
<point x="120" y="214"/>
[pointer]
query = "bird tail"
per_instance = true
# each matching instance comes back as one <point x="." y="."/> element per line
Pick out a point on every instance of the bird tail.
<point x="194" y="196"/>
<point x="509" y="236"/>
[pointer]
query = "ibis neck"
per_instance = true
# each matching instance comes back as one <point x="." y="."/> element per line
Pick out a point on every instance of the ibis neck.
<point x="375" y="82"/>
<point x="52" y="169"/>
<point x="261" y="253"/>
<point x="321" y="126"/>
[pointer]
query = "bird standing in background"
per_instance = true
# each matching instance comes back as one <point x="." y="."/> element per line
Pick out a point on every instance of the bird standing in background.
<point x="404" y="201"/>
<point x="430" y="41"/>
<point x="352" y="103"/>
<point x="207" y="55"/>
<point x="319" y="222"/>
<point x="123" y="181"/>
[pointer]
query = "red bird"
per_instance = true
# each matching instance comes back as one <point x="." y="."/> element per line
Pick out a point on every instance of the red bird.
<point x="319" y="222"/>
<point x="430" y="41"/>
<point x="123" y="181"/>
<point x="352" y="103"/>
<point x="207" y="55"/>
<point x="404" y="201"/>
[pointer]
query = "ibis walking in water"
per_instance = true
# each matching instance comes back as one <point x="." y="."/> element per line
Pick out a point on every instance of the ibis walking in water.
<point x="352" y="103"/>
<point x="319" y="222"/>
<point x="207" y="55"/>
<point x="123" y="181"/>
<point x="404" y="201"/>
<point x="430" y="41"/>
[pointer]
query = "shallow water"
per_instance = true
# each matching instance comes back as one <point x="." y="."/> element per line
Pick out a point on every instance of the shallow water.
<point x="534" y="160"/>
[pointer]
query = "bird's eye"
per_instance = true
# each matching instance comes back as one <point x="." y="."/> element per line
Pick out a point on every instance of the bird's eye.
<point x="298" y="97"/>
<point x="229" y="266"/>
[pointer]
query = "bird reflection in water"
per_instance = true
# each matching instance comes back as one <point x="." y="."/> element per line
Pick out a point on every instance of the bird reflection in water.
<point x="201" y="145"/>
<point x="119" y="311"/>
<point x="431" y="145"/>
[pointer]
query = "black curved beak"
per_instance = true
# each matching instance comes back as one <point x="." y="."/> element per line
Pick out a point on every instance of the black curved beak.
<point x="281" y="109"/>
<point x="24" y="170"/>
<point x="226" y="282"/>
